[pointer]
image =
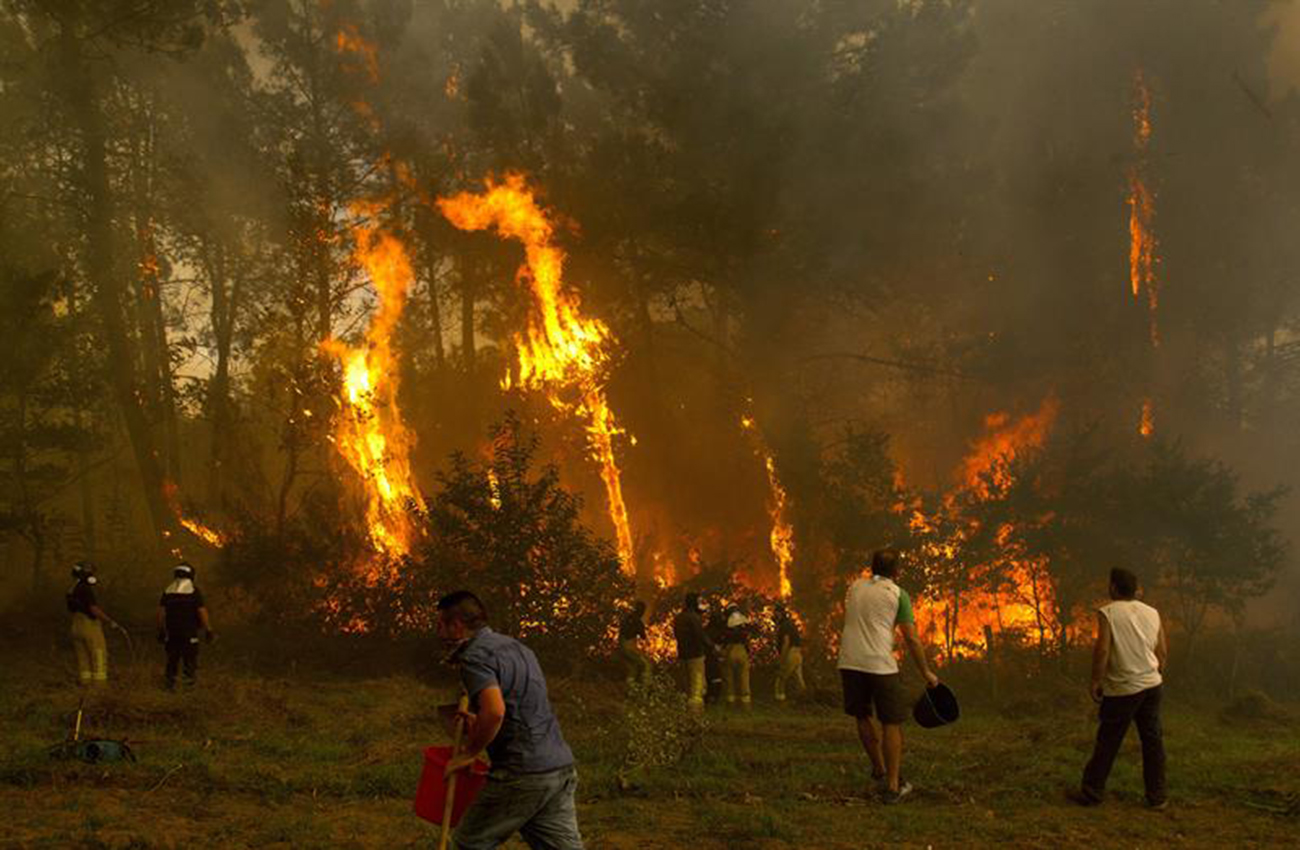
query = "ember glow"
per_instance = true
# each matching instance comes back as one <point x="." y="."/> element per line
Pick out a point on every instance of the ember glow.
<point x="781" y="538"/>
<point x="562" y="352"/>
<point x="368" y="431"/>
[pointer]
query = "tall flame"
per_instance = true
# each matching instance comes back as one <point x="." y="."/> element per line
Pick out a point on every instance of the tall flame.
<point x="782" y="536"/>
<point x="1141" y="202"/>
<point x="562" y="352"/>
<point x="1142" y="240"/>
<point x="369" y="432"/>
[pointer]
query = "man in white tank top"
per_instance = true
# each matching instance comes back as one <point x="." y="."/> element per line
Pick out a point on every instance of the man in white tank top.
<point x="1128" y="661"/>
<point x="875" y="610"/>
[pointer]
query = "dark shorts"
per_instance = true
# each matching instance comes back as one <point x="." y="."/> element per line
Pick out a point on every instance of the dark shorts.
<point x="883" y="691"/>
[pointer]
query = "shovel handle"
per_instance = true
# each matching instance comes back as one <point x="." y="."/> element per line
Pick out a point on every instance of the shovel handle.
<point x="461" y="708"/>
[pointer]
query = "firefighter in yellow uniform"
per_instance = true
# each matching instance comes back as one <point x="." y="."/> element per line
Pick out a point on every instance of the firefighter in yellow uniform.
<point x="735" y="659"/>
<point x="88" y="627"/>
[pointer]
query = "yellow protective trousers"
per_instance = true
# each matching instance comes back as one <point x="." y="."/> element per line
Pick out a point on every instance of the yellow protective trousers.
<point x="92" y="651"/>
<point x="791" y="668"/>
<point x="735" y="668"/>
<point x="635" y="662"/>
<point x="695" y="684"/>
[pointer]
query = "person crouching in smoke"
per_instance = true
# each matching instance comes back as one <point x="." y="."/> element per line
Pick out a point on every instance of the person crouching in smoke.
<point x="181" y="615"/>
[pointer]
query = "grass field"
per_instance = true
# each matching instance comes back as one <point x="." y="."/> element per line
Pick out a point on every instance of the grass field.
<point x="250" y="760"/>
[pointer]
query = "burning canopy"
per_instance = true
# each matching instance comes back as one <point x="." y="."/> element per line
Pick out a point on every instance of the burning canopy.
<point x="562" y="352"/>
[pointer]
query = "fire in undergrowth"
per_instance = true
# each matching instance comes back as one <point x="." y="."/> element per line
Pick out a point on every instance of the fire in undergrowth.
<point x="781" y="538"/>
<point x="208" y="535"/>
<point x="1009" y="591"/>
<point x="562" y="352"/>
<point x="369" y="432"/>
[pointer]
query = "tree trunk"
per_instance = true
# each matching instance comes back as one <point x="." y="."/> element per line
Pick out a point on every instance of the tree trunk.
<point x="1232" y="371"/>
<point x="468" y="271"/>
<point x="87" y="493"/>
<point x="226" y="290"/>
<point x="101" y="267"/>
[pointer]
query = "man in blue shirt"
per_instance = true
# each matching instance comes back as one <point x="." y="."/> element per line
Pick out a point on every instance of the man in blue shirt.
<point x="531" y="784"/>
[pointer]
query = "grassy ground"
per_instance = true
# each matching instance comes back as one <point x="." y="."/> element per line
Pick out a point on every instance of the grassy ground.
<point x="253" y="761"/>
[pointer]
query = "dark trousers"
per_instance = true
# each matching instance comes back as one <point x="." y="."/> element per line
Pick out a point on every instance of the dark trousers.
<point x="1143" y="709"/>
<point x="183" y="653"/>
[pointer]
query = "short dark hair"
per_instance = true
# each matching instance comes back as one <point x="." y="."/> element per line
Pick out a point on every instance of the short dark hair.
<point x="465" y="607"/>
<point x="1124" y="582"/>
<point x="691" y="602"/>
<point x="639" y="606"/>
<point x="884" y="562"/>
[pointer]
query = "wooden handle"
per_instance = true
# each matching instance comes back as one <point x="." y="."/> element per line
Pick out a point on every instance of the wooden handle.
<point x="451" y="780"/>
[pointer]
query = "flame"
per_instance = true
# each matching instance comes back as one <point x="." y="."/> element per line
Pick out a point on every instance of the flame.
<point x="1141" y="202"/>
<point x="208" y="535"/>
<point x="984" y="474"/>
<point x="665" y="571"/>
<point x="369" y="432"/>
<point x="494" y="489"/>
<point x="349" y="40"/>
<point x="563" y="352"/>
<point x="781" y="539"/>
<point x="1004" y="440"/>
<point x="1147" y="426"/>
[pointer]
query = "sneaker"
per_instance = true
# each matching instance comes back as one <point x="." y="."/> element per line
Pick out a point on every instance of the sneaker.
<point x="892" y="797"/>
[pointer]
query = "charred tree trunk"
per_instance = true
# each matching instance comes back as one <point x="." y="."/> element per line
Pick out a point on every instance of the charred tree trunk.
<point x="101" y="266"/>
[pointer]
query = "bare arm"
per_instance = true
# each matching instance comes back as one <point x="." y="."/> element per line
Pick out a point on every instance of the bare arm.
<point x="916" y="649"/>
<point x="1100" y="655"/>
<point x="484" y="726"/>
<point x="1162" y="650"/>
<point x="203" y="619"/>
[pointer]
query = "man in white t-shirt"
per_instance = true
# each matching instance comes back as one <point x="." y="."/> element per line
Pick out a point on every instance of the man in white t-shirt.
<point x="1127" y="665"/>
<point x="876" y="607"/>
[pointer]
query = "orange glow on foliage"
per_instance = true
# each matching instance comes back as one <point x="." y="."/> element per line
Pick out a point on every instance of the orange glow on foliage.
<point x="562" y="352"/>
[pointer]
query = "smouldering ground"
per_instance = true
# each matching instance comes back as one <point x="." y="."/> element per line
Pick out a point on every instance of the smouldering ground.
<point x="249" y="761"/>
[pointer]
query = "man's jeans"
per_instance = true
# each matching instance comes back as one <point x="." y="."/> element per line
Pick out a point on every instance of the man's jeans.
<point x="1142" y="708"/>
<point x="539" y="806"/>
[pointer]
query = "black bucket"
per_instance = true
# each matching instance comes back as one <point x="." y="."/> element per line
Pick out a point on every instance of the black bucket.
<point x="936" y="707"/>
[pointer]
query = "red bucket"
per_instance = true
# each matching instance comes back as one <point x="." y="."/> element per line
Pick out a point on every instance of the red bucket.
<point x="431" y="797"/>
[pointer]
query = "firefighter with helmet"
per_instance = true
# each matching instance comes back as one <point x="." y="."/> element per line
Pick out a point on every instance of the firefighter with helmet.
<point x="88" y="627"/>
<point x="182" y="614"/>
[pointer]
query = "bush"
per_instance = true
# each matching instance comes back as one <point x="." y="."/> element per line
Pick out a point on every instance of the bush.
<point x="661" y="727"/>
